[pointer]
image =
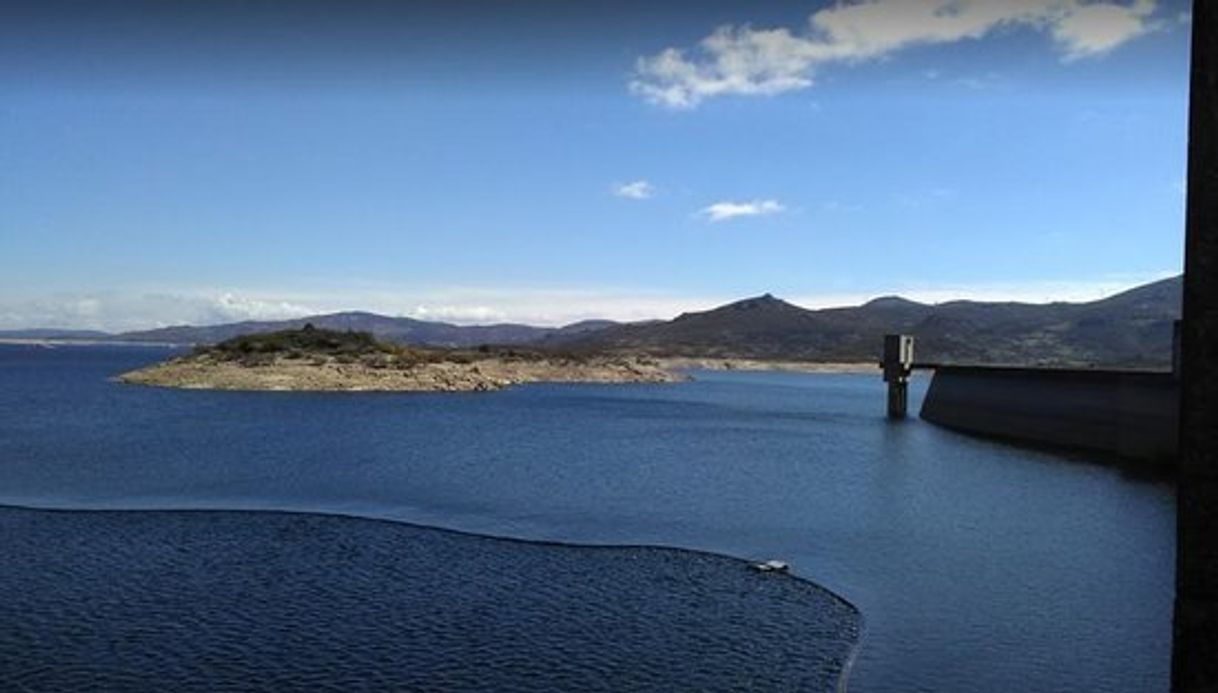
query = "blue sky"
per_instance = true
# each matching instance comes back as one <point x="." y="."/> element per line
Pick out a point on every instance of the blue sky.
<point x="199" y="162"/>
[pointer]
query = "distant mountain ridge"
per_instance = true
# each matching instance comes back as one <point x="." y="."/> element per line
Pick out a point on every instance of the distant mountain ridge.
<point x="51" y="333"/>
<point x="400" y="330"/>
<point x="1132" y="329"/>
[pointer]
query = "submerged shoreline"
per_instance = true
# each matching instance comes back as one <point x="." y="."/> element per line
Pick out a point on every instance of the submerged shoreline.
<point x="399" y="604"/>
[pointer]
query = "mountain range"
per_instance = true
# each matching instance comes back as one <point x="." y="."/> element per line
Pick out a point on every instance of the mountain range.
<point x="1132" y="329"/>
<point x="400" y="330"/>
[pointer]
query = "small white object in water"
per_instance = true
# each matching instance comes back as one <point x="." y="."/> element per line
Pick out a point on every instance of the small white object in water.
<point x="771" y="566"/>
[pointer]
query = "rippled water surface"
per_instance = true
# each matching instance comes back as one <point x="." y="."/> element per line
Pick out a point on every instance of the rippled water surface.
<point x="171" y="601"/>
<point x="977" y="566"/>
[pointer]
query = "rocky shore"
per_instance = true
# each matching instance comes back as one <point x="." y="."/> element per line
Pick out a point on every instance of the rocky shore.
<point x="324" y="360"/>
<point x="741" y="364"/>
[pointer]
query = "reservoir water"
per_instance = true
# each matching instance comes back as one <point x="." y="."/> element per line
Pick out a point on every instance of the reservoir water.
<point x="976" y="566"/>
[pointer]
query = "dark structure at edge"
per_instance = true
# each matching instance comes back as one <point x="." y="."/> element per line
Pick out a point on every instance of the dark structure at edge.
<point x="1195" y="651"/>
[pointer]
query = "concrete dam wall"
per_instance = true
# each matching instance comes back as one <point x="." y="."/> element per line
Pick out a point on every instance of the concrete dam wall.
<point x="1124" y="413"/>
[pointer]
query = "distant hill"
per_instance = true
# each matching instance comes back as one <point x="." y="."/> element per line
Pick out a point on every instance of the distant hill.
<point x="399" y="330"/>
<point x="56" y="334"/>
<point x="1130" y="329"/>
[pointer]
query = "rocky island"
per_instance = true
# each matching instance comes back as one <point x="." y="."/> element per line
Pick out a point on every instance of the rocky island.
<point x="331" y="360"/>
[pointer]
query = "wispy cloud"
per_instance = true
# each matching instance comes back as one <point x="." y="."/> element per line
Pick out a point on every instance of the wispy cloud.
<point x="1027" y="291"/>
<point x="835" y="206"/>
<point x="634" y="190"/>
<point x="123" y="310"/>
<point x="989" y="80"/>
<point x="746" y="61"/>
<point x="724" y="211"/>
<point x="925" y="197"/>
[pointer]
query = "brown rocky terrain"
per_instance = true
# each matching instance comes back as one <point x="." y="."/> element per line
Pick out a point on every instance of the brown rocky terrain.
<point x="327" y="360"/>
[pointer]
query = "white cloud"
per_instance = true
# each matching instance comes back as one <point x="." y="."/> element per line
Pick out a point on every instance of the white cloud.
<point x="122" y="311"/>
<point x="747" y="61"/>
<point x="634" y="190"/>
<point x="230" y="306"/>
<point x="460" y="313"/>
<point x="724" y="211"/>
<point x="1089" y="29"/>
<point x="835" y="206"/>
<point x="555" y="306"/>
<point x="1030" y="291"/>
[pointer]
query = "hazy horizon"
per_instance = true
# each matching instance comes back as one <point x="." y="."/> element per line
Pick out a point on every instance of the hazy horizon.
<point x="199" y="163"/>
<point x="927" y="298"/>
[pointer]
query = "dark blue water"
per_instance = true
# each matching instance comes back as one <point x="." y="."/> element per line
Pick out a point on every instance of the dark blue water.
<point x="259" y="601"/>
<point x="977" y="566"/>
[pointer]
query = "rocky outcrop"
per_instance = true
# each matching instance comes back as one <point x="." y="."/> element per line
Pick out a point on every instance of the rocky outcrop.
<point x="313" y="359"/>
<point x="203" y="372"/>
